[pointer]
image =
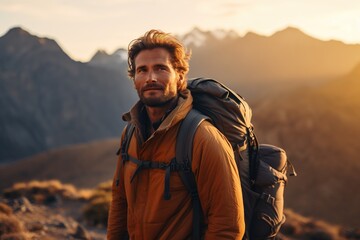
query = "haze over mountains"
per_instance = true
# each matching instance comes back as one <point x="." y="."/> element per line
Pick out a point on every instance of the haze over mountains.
<point x="256" y="65"/>
<point x="319" y="127"/>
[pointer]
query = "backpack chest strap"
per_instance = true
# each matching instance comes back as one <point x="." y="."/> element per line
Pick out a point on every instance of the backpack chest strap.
<point x="173" y="166"/>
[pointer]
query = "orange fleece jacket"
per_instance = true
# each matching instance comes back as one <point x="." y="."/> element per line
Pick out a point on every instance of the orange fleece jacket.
<point x="139" y="208"/>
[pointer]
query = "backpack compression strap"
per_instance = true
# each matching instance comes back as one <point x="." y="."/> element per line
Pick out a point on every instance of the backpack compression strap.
<point x="184" y="147"/>
<point x="252" y="146"/>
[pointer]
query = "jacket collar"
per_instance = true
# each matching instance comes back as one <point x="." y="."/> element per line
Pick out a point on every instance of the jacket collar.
<point x="182" y="108"/>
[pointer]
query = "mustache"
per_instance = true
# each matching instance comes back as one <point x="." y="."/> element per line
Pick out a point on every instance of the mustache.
<point x="152" y="86"/>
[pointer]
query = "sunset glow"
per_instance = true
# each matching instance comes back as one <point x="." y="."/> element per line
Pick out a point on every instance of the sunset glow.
<point x="84" y="26"/>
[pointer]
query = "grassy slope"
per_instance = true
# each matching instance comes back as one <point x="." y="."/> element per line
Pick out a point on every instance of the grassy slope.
<point x="84" y="165"/>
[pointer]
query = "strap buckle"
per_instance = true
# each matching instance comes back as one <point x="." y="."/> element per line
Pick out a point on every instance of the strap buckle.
<point x="145" y="164"/>
<point x="267" y="198"/>
<point x="124" y="157"/>
<point x="162" y="165"/>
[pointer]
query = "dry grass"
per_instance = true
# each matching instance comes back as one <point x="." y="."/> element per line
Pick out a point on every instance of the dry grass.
<point x="105" y="186"/>
<point x="299" y="227"/>
<point x="97" y="203"/>
<point x="15" y="236"/>
<point x="5" y="209"/>
<point x="96" y="209"/>
<point x="45" y="192"/>
<point x="83" y="165"/>
<point x="9" y="224"/>
<point x="96" y="212"/>
<point x="11" y="228"/>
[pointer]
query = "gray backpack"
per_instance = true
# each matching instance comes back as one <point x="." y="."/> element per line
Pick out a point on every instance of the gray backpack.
<point x="262" y="167"/>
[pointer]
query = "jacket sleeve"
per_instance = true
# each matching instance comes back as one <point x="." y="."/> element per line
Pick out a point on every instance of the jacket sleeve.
<point x="218" y="184"/>
<point x="117" y="221"/>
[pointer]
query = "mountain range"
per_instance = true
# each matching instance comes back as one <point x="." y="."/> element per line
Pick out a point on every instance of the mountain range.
<point x="116" y="61"/>
<point x="258" y="66"/>
<point x="48" y="100"/>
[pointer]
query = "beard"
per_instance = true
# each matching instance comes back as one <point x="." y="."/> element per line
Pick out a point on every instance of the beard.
<point x="156" y="101"/>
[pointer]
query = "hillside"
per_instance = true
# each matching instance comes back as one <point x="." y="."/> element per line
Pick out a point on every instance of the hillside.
<point x="83" y="165"/>
<point x="256" y="65"/>
<point x="319" y="128"/>
<point x="47" y="100"/>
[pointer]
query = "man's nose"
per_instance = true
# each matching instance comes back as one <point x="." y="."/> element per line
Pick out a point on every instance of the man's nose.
<point x="151" y="77"/>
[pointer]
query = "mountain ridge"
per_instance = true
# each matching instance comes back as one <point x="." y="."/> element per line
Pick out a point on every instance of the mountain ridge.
<point x="49" y="100"/>
<point x="19" y="42"/>
<point x="259" y="66"/>
<point x="116" y="61"/>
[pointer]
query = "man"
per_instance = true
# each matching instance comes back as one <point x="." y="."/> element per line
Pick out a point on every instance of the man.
<point x="158" y="64"/>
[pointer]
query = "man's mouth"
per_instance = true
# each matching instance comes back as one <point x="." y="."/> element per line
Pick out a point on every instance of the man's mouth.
<point x="152" y="87"/>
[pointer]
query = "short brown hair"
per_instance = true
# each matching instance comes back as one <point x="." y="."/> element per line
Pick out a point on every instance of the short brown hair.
<point x="158" y="39"/>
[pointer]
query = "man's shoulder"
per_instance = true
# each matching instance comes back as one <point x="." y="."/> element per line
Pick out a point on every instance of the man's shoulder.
<point x="208" y="133"/>
<point x="210" y="142"/>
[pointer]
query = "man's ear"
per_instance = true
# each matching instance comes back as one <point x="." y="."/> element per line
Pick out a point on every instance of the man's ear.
<point x="181" y="77"/>
<point x="180" y="82"/>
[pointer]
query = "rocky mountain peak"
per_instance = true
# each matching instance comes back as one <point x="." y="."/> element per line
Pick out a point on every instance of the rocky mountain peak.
<point x="17" y="31"/>
<point x="198" y="37"/>
<point x="99" y="54"/>
<point x="18" y="42"/>
<point x="252" y="35"/>
<point x="221" y="34"/>
<point x="114" y="61"/>
<point x="195" y="37"/>
<point x="121" y="53"/>
<point x="292" y="34"/>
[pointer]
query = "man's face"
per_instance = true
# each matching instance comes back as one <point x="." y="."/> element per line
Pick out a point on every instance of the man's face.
<point x="156" y="81"/>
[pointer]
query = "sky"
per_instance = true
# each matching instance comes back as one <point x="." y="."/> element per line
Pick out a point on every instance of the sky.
<point x="81" y="27"/>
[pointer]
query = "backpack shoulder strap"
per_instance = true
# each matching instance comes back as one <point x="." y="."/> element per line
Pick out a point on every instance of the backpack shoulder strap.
<point x="184" y="147"/>
<point x="126" y="141"/>
<point x="123" y="150"/>
<point x="186" y="133"/>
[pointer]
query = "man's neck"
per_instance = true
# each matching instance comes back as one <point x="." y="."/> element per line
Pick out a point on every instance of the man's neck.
<point x="156" y="114"/>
